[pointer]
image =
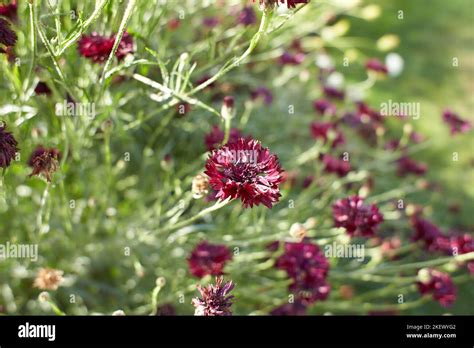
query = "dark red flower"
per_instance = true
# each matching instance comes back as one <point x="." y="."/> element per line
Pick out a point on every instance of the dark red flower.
<point x="215" y="299"/>
<point x="264" y="93"/>
<point x="210" y="22"/>
<point x="376" y="65"/>
<point x="288" y="58"/>
<point x="45" y="164"/>
<point x="166" y="310"/>
<point x="320" y="130"/>
<point x="332" y="92"/>
<point x="439" y="285"/>
<point x="308" y="181"/>
<point x="307" y="267"/>
<point x="125" y="46"/>
<point x="215" y="137"/>
<point x="247" y="16"/>
<point x="8" y="146"/>
<point x="208" y="258"/>
<point x="324" y="106"/>
<point x="356" y="217"/>
<point x="174" y="23"/>
<point x="98" y="48"/>
<point x="40" y="150"/>
<point x="42" y="88"/>
<point x="434" y="240"/>
<point x="336" y="165"/>
<point x="297" y="308"/>
<point x="408" y="166"/>
<point x="457" y="124"/>
<point x="9" y="10"/>
<point x="7" y="36"/>
<point x="246" y="170"/>
<point x="367" y="114"/>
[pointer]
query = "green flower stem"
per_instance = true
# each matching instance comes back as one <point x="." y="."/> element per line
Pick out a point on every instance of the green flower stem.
<point x="32" y="10"/>
<point x="216" y="206"/>
<point x="266" y="18"/>
<point x="154" y="296"/>
<point x="44" y="200"/>
<point x="123" y="26"/>
<point x="227" y="124"/>
<point x="3" y="192"/>
<point x="366" y="307"/>
<point x="417" y="265"/>
<point x="99" y="6"/>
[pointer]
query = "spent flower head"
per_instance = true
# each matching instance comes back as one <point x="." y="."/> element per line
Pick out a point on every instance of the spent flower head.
<point x="215" y="299"/>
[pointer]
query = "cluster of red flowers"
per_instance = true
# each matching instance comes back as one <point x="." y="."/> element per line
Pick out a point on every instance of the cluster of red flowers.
<point x="307" y="268"/>
<point x="434" y="240"/>
<point x="208" y="259"/>
<point x="356" y="217"/>
<point x="98" y="48"/>
<point x="439" y="285"/>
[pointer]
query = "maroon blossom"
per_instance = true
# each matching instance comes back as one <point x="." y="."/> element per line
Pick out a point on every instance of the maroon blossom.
<point x="215" y="137"/>
<point x="40" y="150"/>
<point x="247" y="16"/>
<point x="307" y="267"/>
<point x="324" y="106"/>
<point x="166" y="310"/>
<point x="264" y="93"/>
<point x="210" y="22"/>
<point x="336" y="165"/>
<point x="208" y="258"/>
<point x="215" y="299"/>
<point x="433" y="240"/>
<point x="367" y="114"/>
<point x="332" y="92"/>
<point x="42" y="88"/>
<point x="356" y="217"/>
<point x="246" y="170"/>
<point x="125" y="46"/>
<point x="7" y="36"/>
<point x="308" y="181"/>
<point x="9" y="10"/>
<point x="376" y="65"/>
<point x="320" y="130"/>
<point x="8" y="146"/>
<point x="457" y="124"/>
<point x="439" y="285"/>
<point x="408" y="166"/>
<point x="98" y="48"/>
<point x="297" y="308"/>
<point x="288" y="58"/>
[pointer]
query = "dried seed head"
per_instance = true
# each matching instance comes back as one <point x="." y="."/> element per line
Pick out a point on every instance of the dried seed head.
<point x="48" y="279"/>
<point x="200" y="186"/>
<point x="45" y="165"/>
<point x="228" y="108"/>
<point x="215" y="300"/>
